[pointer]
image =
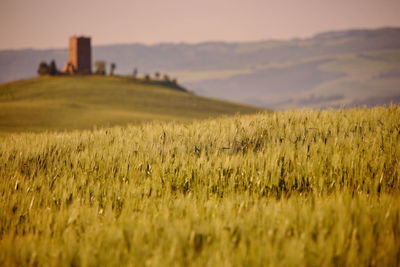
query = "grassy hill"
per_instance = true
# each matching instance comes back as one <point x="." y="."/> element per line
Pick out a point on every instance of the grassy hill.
<point x="351" y="67"/>
<point x="80" y="102"/>
<point x="305" y="188"/>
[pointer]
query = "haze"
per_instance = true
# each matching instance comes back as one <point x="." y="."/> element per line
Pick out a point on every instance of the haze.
<point x="48" y="23"/>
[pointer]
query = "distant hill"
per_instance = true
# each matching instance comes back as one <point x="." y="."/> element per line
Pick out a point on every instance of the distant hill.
<point x="84" y="102"/>
<point x="354" y="67"/>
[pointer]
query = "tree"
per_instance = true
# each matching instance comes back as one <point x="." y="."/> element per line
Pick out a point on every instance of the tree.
<point x="100" y="67"/>
<point x="43" y="69"/>
<point x="147" y="77"/>
<point x="166" y="78"/>
<point x="53" y="68"/>
<point x="135" y="73"/>
<point x="157" y="75"/>
<point x="113" y="67"/>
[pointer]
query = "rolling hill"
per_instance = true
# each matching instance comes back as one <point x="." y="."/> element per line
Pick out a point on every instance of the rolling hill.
<point x="84" y="102"/>
<point x="331" y="69"/>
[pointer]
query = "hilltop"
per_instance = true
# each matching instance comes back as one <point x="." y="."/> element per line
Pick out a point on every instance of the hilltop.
<point x="84" y="102"/>
<point x="353" y="67"/>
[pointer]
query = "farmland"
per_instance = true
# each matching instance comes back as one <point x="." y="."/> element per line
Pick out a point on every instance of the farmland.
<point x="304" y="188"/>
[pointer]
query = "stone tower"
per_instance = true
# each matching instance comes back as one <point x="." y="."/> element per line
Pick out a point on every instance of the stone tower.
<point x="80" y="54"/>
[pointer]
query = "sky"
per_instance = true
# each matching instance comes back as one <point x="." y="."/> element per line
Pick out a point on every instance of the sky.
<point x="46" y="24"/>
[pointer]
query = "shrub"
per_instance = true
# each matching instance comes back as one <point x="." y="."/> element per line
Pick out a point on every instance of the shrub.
<point x="43" y="69"/>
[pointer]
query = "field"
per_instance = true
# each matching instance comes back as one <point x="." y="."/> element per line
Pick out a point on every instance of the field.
<point x="86" y="102"/>
<point x="349" y="79"/>
<point x="304" y="188"/>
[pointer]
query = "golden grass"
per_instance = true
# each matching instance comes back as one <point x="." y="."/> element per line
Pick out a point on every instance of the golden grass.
<point x="306" y="188"/>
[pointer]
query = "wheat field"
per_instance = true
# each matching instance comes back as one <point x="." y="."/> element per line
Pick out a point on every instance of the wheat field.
<point x="296" y="188"/>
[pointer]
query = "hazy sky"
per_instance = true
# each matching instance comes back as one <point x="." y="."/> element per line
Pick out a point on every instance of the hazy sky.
<point x="49" y="23"/>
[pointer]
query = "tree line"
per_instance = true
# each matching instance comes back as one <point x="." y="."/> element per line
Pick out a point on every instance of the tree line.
<point x="100" y="69"/>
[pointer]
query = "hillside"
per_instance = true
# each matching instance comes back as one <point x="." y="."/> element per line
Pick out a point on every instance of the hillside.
<point x="82" y="102"/>
<point x="354" y="67"/>
<point x="302" y="188"/>
<point x="355" y="79"/>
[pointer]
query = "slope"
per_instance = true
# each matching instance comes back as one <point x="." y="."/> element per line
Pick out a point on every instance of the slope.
<point x="354" y="79"/>
<point x="81" y="102"/>
<point x="331" y="69"/>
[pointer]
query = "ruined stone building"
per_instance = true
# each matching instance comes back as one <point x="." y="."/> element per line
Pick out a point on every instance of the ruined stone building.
<point x="80" y="56"/>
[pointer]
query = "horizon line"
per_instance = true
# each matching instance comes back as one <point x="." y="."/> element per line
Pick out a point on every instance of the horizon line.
<point x="208" y="41"/>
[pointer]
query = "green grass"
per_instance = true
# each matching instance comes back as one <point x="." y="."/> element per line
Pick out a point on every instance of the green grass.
<point x="83" y="102"/>
<point x="305" y="188"/>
